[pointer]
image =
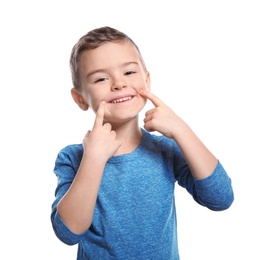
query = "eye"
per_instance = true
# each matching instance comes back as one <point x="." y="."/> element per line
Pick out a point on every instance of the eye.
<point x="100" y="80"/>
<point x="130" y="72"/>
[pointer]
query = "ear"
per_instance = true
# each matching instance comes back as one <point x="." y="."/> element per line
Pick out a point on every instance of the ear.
<point x="148" y="81"/>
<point x="79" y="100"/>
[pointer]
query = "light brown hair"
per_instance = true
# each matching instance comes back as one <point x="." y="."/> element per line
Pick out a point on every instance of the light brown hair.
<point x="92" y="40"/>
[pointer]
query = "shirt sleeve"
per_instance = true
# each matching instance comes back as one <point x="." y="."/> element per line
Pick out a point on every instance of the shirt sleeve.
<point x="215" y="191"/>
<point x="66" y="165"/>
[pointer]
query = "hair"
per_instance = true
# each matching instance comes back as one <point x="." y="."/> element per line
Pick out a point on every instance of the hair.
<point x="92" y="40"/>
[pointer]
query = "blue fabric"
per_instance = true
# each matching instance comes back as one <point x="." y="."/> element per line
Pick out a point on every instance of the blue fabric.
<point x="135" y="215"/>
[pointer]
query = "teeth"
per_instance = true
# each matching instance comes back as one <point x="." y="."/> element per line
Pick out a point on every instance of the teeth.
<point x="121" y="100"/>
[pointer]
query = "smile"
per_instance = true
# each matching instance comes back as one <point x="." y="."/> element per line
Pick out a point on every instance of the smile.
<point x="120" y="100"/>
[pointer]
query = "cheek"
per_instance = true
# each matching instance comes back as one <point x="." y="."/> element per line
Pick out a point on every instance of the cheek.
<point x="145" y="101"/>
<point x="94" y="99"/>
<point x="95" y="103"/>
<point x="140" y="85"/>
<point x="142" y="102"/>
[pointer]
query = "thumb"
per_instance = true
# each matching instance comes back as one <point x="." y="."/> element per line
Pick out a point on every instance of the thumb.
<point x="87" y="134"/>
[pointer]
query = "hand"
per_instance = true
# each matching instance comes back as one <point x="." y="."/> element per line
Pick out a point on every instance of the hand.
<point x="101" y="142"/>
<point x="160" y="118"/>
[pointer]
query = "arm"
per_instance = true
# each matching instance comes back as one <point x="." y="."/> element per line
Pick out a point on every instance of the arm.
<point x="205" y="177"/>
<point x="162" y="119"/>
<point x="76" y="208"/>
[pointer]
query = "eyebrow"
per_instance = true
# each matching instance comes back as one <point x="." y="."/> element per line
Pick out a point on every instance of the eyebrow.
<point x="103" y="70"/>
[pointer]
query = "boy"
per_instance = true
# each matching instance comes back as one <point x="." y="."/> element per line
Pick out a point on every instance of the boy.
<point x="115" y="192"/>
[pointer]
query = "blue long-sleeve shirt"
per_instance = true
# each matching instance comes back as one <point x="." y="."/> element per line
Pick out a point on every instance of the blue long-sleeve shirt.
<point x="134" y="216"/>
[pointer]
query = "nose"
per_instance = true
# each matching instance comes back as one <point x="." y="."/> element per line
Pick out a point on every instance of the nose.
<point x="118" y="83"/>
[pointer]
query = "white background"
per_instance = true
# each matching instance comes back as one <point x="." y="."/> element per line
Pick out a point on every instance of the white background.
<point x="207" y="61"/>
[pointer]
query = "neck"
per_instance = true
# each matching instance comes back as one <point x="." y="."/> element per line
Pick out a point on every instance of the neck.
<point x="130" y="134"/>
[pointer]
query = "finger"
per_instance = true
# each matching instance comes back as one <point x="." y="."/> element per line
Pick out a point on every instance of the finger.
<point x="154" y="99"/>
<point x="87" y="135"/>
<point x="149" y="112"/>
<point x="100" y="114"/>
<point x="147" y="118"/>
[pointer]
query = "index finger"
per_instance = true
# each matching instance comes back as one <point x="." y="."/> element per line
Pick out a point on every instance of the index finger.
<point x="154" y="99"/>
<point x="100" y="114"/>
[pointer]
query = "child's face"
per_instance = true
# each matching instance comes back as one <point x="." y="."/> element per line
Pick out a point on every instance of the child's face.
<point x="114" y="73"/>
